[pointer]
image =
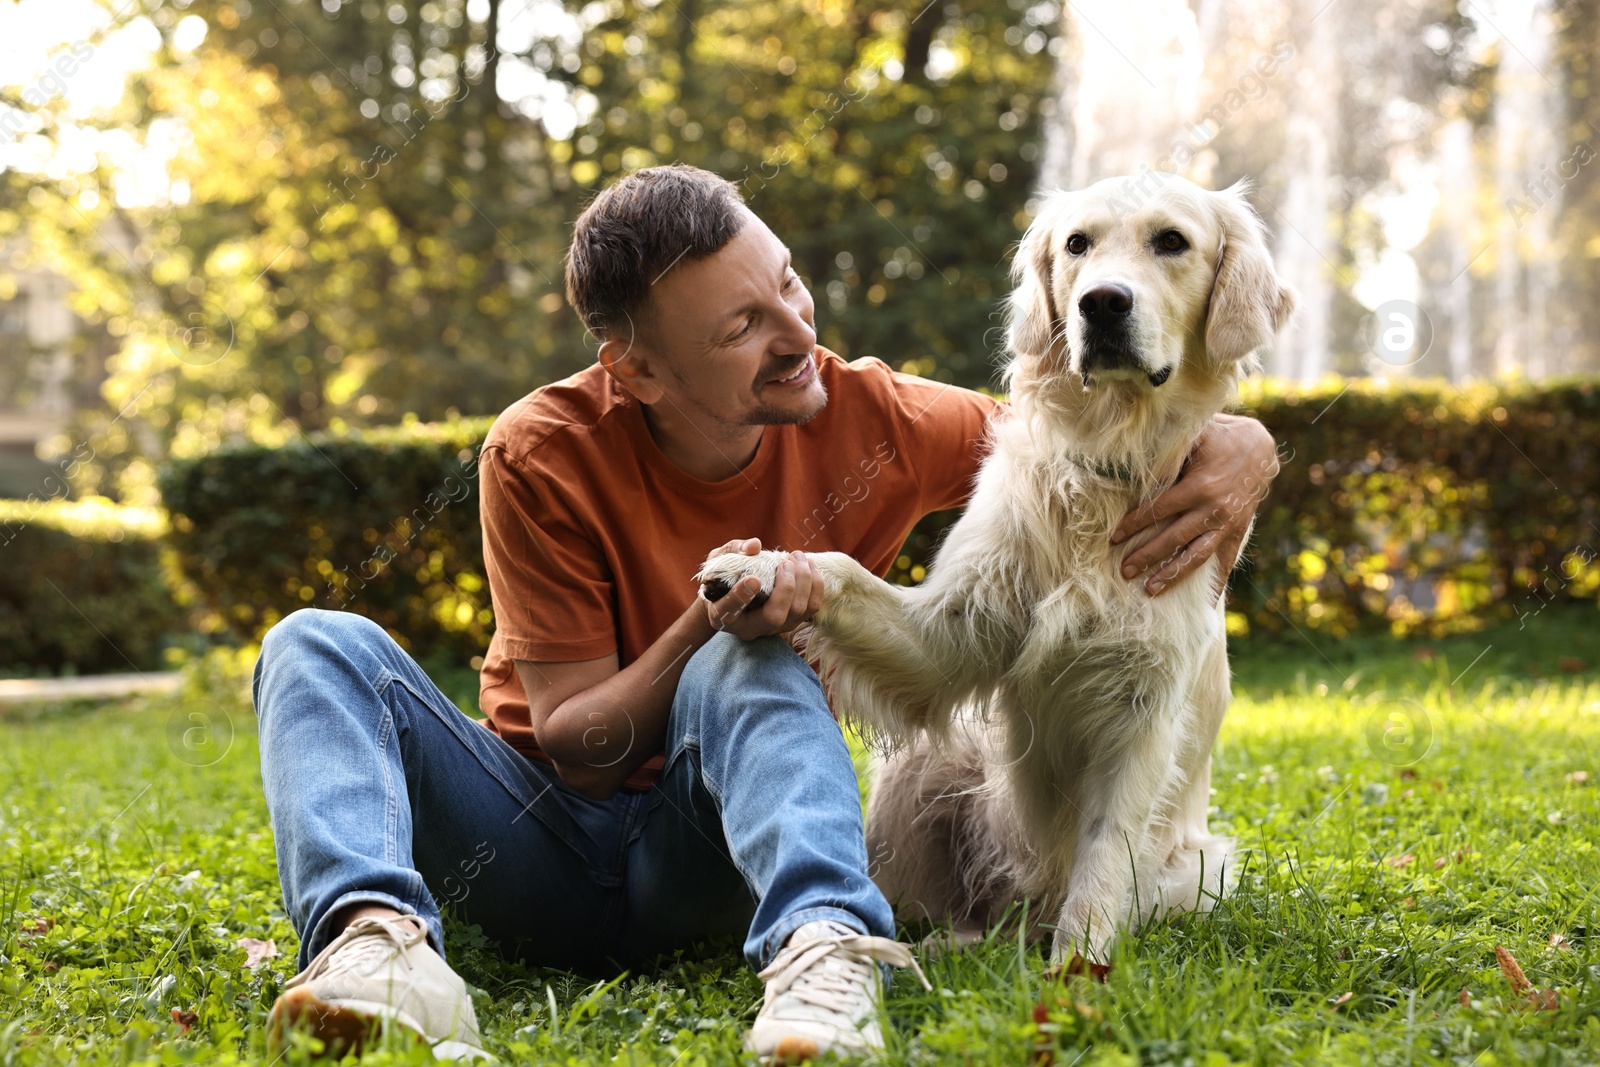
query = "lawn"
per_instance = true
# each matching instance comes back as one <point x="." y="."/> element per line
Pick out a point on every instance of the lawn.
<point x="1405" y="807"/>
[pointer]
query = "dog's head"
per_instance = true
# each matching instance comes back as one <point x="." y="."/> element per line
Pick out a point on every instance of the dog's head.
<point x="1141" y="297"/>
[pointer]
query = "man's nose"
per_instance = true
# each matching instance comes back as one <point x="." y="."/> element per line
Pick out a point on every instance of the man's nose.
<point x="1106" y="302"/>
<point x="797" y="335"/>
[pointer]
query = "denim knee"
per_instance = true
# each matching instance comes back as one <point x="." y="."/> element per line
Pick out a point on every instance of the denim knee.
<point x="727" y="666"/>
<point x="313" y="635"/>
<point x="316" y="629"/>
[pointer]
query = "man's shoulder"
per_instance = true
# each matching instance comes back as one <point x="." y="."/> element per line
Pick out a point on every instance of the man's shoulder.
<point x="570" y="409"/>
<point x="870" y="379"/>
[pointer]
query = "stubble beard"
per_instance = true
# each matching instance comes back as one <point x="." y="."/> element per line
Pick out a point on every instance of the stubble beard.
<point x="772" y="415"/>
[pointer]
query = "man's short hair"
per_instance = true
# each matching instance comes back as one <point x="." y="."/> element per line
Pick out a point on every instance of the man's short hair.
<point x="638" y="229"/>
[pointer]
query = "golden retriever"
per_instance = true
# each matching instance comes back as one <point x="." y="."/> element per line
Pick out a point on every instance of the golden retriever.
<point x="1048" y="725"/>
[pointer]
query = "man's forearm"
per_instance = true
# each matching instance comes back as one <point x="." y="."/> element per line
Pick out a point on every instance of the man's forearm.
<point x="599" y="737"/>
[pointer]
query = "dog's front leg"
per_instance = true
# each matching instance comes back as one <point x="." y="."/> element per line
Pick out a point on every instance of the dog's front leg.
<point x="895" y="658"/>
<point x="1115" y="802"/>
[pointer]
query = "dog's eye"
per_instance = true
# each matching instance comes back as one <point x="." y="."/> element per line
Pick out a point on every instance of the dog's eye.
<point x="1077" y="244"/>
<point x="1171" y="242"/>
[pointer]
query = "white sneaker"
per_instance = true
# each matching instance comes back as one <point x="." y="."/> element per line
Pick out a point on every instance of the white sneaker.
<point x="823" y="992"/>
<point x="378" y="974"/>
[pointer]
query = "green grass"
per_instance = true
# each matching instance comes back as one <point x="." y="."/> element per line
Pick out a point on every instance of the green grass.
<point x="1336" y="948"/>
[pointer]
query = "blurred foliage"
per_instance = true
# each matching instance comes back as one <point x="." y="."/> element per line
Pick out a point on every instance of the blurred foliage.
<point x="84" y="587"/>
<point x="1398" y="509"/>
<point x="1577" y="46"/>
<point x="361" y="228"/>
<point x="382" y="522"/>
<point x="1423" y="507"/>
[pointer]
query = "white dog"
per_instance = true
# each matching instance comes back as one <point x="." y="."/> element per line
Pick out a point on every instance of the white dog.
<point x="1051" y="725"/>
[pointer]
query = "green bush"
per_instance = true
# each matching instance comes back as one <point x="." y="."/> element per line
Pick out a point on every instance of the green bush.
<point x="1423" y="506"/>
<point x="381" y="522"/>
<point x="83" y="587"/>
<point x="1398" y="507"/>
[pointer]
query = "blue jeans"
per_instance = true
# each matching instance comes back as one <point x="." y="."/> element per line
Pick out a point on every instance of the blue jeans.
<point x="381" y="791"/>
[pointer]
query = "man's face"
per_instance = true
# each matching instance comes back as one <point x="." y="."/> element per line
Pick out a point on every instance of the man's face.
<point x="730" y="337"/>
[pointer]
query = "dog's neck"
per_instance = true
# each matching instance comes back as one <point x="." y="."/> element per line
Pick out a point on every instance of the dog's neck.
<point x="1124" y="474"/>
<point x="1101" y="440"/>
<point x="1137" y="474"/>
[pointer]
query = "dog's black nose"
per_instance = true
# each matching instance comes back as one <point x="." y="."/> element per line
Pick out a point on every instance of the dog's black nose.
<point x="1106" y="302"/>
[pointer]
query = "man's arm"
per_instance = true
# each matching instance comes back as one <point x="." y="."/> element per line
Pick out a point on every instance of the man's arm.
<point x="599" y="724"/>
<point x="1226" y="478"/>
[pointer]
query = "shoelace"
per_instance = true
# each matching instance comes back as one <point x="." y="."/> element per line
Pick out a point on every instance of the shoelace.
<point x="361" y="943"/>
<point x="804" y="971"/>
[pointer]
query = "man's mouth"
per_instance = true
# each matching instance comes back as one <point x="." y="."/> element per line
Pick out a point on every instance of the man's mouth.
<point x="798" y="376"/>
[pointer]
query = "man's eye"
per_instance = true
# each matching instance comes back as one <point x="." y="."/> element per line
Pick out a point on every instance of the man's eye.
<point x="749" y="324"/>
<point x="1171" y="242"/>
<point x="1077" y="244"/>
<point x="788" y="283"/>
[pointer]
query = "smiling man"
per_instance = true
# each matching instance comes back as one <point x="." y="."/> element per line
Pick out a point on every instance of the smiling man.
<point x="657" y="769"/>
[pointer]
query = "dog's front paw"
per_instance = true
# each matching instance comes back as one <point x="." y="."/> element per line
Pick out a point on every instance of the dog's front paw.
<point x="719" y="574"/>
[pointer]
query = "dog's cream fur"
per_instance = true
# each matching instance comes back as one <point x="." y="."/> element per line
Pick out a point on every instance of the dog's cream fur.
<point x="1050" y="724"/>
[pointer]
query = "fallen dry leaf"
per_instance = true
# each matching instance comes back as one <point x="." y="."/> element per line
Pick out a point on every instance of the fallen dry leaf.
<point x="38" y="926"/>
<point x="1465" y="996"/>
<point x="1044" y="1054"/>
<point x="1560" y="942"/>
<point x="1572" y="664"/>
<point x="1513" y="971"/>
<point x="1544" y="1000"/>
<point x="1440" y="863"/>
<point x="1340" y="1001"/>
<point x="1400" y="863"/>
<point x="1423" y="654"/>
<point x="256" y="951"/>
<point x="1078" y="966"/>
<point x="1407" y="774"/>
<point x="184" y="1019"/>
<point x="1537" y="999"/>
<point x="1578" y="778"/>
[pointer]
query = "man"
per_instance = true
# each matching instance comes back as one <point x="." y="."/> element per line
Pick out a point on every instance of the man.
<point x="656" y="769"/>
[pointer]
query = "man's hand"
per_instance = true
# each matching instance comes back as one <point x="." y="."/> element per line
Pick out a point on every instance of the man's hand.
<point x="796" y="596"/>
<point x="1213" y="501"/>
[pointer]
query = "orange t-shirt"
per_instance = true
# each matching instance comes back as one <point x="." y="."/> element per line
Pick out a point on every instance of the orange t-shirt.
<point x="591" y="536"/>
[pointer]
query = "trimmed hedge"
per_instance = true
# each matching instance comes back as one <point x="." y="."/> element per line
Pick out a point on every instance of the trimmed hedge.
<point x="1425" y="506"/>
<point x="1422" y="506"/>
<point x="381" y="522"/>
<point x="83" y="587"/>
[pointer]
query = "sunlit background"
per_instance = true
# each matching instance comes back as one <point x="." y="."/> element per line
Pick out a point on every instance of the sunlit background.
<point x="256" y="216"/>
<point x="270" y="266"/>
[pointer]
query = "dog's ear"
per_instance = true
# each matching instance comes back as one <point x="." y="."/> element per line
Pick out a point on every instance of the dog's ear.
<point x="1249" y="305"/>
<point x="1031" y="311"/>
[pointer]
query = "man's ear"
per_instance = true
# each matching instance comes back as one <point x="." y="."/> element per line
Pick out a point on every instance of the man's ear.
<point x="625" y="359"/>
<point x="1031" y="310"/>
<point x="1249" y="305"/>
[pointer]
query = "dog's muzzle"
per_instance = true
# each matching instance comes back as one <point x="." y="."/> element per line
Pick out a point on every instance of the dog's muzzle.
<point x="1107" y="312"/>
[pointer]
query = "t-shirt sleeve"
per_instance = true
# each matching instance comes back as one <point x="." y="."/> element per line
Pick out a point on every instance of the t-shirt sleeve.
<point x="549" y="579"/>
<point x="942" y="429"/>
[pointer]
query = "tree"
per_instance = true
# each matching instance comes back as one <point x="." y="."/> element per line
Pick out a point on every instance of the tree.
<point x="371" y="204"/>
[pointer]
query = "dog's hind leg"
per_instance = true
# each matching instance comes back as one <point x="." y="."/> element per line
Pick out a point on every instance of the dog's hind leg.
<point x="921" y="798"/>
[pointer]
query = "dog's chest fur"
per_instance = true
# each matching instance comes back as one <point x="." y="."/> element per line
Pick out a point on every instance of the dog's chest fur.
<point x="1094" y="655"/>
